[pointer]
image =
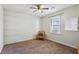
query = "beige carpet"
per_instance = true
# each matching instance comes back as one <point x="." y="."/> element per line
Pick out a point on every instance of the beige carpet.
<point x="37" y="47"/>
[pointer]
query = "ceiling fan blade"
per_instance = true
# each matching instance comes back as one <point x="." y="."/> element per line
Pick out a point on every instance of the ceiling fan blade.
<point x="45" y="8"/>
<point x="33" y="8"/>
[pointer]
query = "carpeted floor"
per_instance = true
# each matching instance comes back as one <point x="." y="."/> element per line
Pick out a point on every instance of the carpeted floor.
<point x="37" y="47"/>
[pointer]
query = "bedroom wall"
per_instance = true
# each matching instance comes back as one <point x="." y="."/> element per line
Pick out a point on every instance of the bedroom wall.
<point x="68" y="38"/>
<point x="19" y="26"/>
<point x="1" y="27"/>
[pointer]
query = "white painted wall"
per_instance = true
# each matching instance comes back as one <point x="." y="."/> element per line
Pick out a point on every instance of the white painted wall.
<point x="22" y="26"/>
<point x="66" y="37"/>
<point x="1" y="28"/>
<point x="19" y="26"/>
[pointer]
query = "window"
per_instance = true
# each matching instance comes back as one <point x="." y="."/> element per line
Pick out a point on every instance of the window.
<point x="55" y="24"/>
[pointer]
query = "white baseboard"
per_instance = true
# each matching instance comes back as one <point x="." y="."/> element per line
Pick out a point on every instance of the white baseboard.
<point x="62" y="43"/>
<point x="17" y="41"/>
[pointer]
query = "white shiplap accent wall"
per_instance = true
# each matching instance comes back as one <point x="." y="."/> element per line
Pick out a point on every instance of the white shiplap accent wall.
<point x="19" y="26"/>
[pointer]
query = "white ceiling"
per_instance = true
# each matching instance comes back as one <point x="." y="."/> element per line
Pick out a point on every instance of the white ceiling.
<point x="26" y="8"/>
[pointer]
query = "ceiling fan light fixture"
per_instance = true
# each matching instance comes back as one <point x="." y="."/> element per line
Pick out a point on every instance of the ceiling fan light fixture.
<point x="39" y="8"/>
<point x="39" y="11"/>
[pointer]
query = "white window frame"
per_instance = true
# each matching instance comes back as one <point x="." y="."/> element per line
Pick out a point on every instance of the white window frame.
<point x="54" y="24"/>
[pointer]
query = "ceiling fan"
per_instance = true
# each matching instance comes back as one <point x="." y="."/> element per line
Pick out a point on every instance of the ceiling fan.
<point x="39" y="8"/>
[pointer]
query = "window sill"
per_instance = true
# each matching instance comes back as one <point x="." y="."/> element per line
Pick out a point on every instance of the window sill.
<point x="56" y="33"/>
